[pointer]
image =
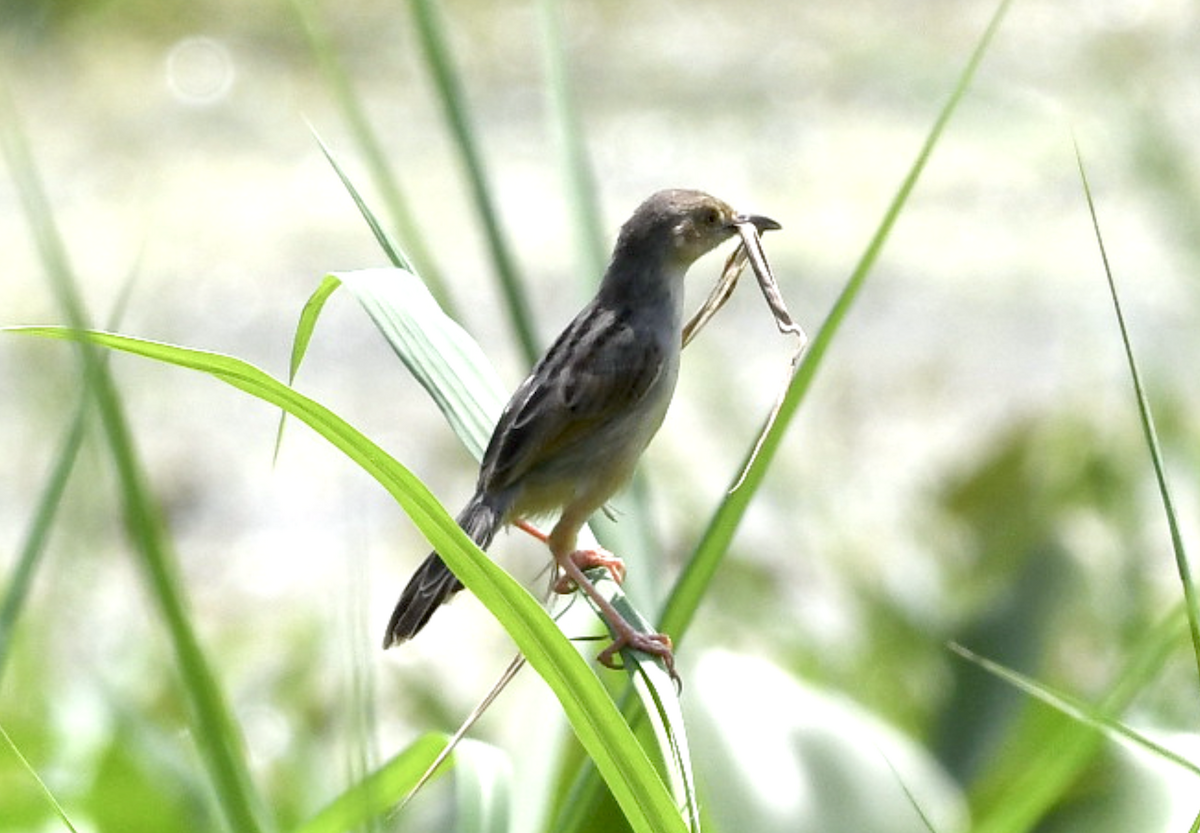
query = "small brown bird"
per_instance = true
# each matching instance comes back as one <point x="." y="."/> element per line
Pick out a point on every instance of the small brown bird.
<point x="574" y="429"/>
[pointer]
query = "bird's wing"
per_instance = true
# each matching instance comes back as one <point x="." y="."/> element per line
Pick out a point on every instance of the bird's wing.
<point x="596" y="371"/>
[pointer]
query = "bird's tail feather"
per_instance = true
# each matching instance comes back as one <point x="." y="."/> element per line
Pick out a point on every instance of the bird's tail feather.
<point x="433" y="583"/>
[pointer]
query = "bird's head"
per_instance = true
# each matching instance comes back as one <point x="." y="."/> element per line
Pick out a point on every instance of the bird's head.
<point x="682" y="225"/>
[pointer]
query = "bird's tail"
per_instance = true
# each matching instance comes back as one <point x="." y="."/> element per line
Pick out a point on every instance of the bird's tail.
<point x="433" y="583"/>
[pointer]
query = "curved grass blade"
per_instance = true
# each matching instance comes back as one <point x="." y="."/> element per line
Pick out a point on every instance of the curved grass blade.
<point x="439" y="353"/>
<point x="300" y="341"/>
<point x="660" y="703"/>
<point x="446" y="361"/>
<point x="1076" y="708"/>
<point x="308" y="322"/>
<point x="394" y="253"/>
<point x="593" y="716"/>
<point x="1022" y="786"/>
<point x="652" y="697"/>
<point x="457" y="375"/>
<point x="316" y="302"/>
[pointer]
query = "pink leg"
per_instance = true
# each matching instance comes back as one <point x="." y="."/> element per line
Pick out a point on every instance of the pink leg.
<point x="526" y="526"/>
<point x="573" y="562"/>
<point x="586" y="559"/>
<point x="627" y="636"/>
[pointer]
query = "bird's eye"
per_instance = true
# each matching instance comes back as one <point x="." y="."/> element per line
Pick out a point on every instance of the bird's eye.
<point x="711" y="217"/>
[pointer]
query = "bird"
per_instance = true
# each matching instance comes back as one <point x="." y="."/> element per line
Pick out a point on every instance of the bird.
<point x="574" y="429"/>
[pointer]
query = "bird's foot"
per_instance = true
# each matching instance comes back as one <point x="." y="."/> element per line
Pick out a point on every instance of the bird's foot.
<point x="586" y="560"/>
<point x="626" y="635"/>
<point x="655" y="644"/>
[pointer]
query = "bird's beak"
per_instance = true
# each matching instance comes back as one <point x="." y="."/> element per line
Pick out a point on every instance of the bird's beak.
<point x="758" y="221"/>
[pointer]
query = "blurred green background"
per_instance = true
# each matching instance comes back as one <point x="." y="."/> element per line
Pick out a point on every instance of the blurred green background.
<point x="968" y="466"/>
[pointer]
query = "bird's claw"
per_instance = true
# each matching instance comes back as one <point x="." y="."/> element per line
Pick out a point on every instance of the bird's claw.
<point x="656" y="644"/>
<point x="586" y="560"/>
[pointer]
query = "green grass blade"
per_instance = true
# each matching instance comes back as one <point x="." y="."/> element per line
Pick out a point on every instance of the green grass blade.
<point x="658" y="697"/>
<point x="591" y="712"/>
<point x="379" y="792"/>
<point x="369" y="146"/>
<point x="214" y="732"/>
<point x="454" y="104"/>
<point x="394" y="253"/>
<point x="693" y="583"/>
<point x="316" y="302"/>
<point x="28" y="767"/>
<point x="439" y="353"/>
<point x="1022" y="786"/>
<point x="447" y="362"/>
<point x="300" y="341"/>
<point x="308" y="323"/>
<point x="1192" y="604"/>
<point x="1075" y="708"/>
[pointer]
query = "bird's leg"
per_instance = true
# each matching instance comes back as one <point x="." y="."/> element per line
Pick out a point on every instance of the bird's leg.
<point x="585" y="559"/>
<point x="526" y="526"/>
<point x="561" y="544"/>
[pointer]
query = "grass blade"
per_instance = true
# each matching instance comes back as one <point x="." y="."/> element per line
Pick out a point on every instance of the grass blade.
<point x="456" y="374"/>
<point x="1192" y="604"/>
<point x="28" y="767"/>
<point x="394" y="253"/>
<point x="1075" y="708"/>
<point x="450" y="92"/>
<point x="660" y="703"/>
<point x="369" y="146"/>
<point x="300" y="341"/>
<point x="1023" y="786"/>
<point x="439" y="353"/>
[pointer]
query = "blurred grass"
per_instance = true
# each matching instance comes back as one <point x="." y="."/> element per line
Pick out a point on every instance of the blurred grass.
<point x="371" y="148"/>
<point x="1016" y="569"/>
<point x="452" y="97"/>
<point x="217" y="736"/>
